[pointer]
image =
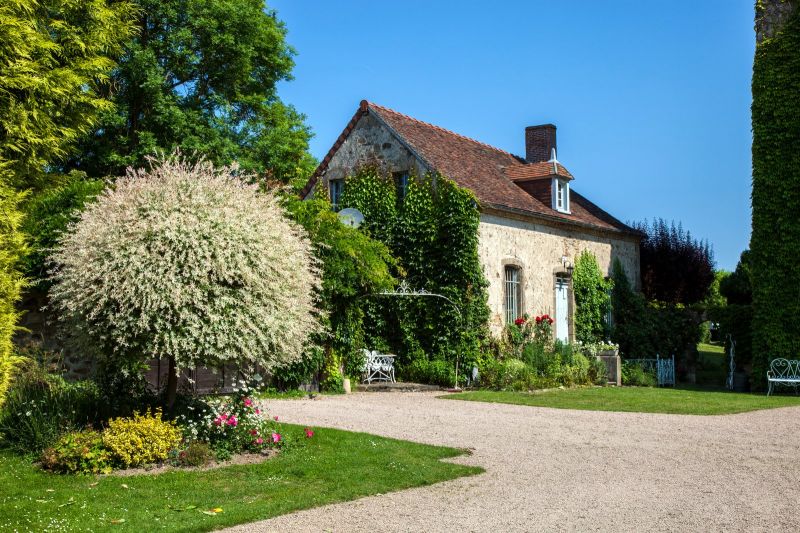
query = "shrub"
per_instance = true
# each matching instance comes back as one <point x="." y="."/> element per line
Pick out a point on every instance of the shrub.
<point x="195" y="454"/>
<point x="142" y="439"/>
<point x="676" y="268"/>
<point x="636" y="376"/>
<point x="40" y="407"/>
<point x="231" y="425"/>
<point x="592" y="299"/>
<point x="49" y="212"/>
<point x="189" y="263"/>
<point x="12" y="249"/>
<point x="78" y="452"/>
<point x="598" y="371"/>
<point x="434" y="372"/>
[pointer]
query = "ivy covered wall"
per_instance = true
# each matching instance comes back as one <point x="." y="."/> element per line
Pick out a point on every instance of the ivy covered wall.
<point x="775" y="242"/>
<point x="433" y="233"/>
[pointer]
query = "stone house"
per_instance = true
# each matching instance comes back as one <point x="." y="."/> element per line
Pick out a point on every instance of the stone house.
<point x="532" y="223"/>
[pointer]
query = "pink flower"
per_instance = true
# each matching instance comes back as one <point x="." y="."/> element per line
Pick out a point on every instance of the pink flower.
<point x="218" y="421"/>
<point x="232" y="421"/>
<point x="259" y="440"/>
<point x="258" y="411"/>
<point x="309" y="433"/>
<point x="276" y="418"/>
<point x="276" y="437"/>
<point x="248" y="402"/>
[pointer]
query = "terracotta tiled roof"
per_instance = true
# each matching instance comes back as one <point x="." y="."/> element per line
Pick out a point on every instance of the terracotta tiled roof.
<point x="542" y="169"/>
<point x="487" y="171"/>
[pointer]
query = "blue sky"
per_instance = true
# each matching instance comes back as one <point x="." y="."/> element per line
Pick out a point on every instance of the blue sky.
<point x="651" y="99"/>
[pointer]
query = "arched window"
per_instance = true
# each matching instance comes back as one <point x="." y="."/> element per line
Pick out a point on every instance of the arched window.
<point x="513" y="293"/>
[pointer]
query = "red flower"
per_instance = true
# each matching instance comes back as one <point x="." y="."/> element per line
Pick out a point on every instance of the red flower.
<point x="309" y="433"/>
<point x="519" y="321"/>
<point x="550" y="320"/>
<point x="538" y="320"/>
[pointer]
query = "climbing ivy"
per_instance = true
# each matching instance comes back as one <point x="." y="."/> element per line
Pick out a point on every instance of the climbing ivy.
<point x="433" y="233"/>
<point x="775" y="241"/>
<point x="592" y="299"/>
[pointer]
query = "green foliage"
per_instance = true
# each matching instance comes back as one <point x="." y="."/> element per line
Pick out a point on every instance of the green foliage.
<point x="141" y="439"/>
<point x="737" y="288"/>
<point x="55" y="60"/>
<point x="715" y="296"/>
<point x="40" y="407"/>
<point x="202" y="75"/>
<point x="332" y="378"/>
<point x="353" y="266"/>
<point x="78" y="452"/>
<point x="435" y="372"/>
<point x="643" y="329"/>
<point x="775" y="241"/>
<point x="433" y="233"/>
<point x="12" y="249"/>
<point x="736" y="317"/>
<point x="48" y="213"/>
<point x="635" y="376"/>
<point x="195" y="454"/>
<point x="186" y="262"/>
<point x="592" y="299"/>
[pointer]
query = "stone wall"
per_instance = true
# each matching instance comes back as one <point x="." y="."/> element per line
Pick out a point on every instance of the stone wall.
<point x="38" y="337"/>
<point x="372" y="143"/>
<point x="771" y="16"/>
<point x="537" y="249"/>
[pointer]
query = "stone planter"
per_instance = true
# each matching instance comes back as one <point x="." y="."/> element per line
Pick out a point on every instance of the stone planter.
<point x="613" y="364"/>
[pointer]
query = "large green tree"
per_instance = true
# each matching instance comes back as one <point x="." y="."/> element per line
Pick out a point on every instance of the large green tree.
<point x="775" y="242"/>
<point x="202" y="75"/>
<point x="55" y="59"/>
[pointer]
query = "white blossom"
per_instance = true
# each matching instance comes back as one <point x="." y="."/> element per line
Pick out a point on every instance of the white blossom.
<point x="188" y="261"/>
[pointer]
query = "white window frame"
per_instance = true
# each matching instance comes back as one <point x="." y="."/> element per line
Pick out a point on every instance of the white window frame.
<point x="512" y="293"/>
<point x="561" y="195"/>
<point x="335" y="187"/>
<point x="401" y="184"/>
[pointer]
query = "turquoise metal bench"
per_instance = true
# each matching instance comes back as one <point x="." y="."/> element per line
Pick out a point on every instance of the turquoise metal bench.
<point x="783" y="372"/>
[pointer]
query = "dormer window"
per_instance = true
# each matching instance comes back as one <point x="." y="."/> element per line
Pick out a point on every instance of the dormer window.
<point x="561" y="195"/>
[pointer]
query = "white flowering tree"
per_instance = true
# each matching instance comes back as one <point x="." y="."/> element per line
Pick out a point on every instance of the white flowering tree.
<point x="187" y="262"/>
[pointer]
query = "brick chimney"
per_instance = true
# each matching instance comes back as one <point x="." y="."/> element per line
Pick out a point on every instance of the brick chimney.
<point x="539" y="142"/>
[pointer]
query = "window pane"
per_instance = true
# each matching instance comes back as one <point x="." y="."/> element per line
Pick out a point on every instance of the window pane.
<point x="512" y="294"/>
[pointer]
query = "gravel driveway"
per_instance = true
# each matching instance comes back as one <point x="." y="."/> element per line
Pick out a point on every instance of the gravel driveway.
<point x="552" y="469"/>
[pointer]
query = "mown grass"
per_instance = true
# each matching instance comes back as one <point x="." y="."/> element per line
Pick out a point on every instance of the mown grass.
<point x="333" y="466"/>
<point x="711" y="365"/>
<point x="636" y="399"/>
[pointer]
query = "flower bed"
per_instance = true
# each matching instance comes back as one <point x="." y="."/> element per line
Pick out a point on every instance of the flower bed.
<point x="211" y="433"/>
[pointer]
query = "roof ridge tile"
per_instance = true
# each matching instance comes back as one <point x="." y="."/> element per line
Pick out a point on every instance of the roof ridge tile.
<point x="445" y="130"/>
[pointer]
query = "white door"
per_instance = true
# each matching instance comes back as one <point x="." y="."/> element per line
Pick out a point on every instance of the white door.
<point x="562" y="309"/>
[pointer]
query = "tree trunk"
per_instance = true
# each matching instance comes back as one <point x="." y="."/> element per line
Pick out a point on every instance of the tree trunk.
<point x="172" y="388"/>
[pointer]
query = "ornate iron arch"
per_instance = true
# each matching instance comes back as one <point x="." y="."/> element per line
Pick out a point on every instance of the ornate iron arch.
<point x="405" y="290"/>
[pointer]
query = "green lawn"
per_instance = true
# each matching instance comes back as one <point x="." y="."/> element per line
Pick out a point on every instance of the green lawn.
<point x="334" y="466"/>
<point x="712" y="366"/>
<point x="636" y="399"/>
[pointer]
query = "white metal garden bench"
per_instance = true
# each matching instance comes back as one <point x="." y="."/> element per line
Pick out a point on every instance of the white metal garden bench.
<point x="783" y="372"/>
<point x="378" y="366"/>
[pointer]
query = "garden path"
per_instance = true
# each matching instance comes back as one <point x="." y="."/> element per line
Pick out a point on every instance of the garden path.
<point x="551" y="469"/>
